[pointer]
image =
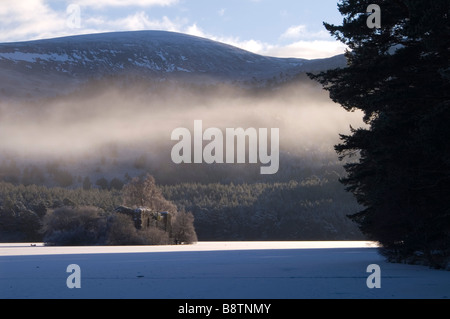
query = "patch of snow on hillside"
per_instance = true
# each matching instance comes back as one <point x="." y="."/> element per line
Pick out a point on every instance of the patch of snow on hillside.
<point x="34" y="57"/>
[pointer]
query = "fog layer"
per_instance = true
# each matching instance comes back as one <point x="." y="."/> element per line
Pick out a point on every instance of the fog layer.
<point x="127" y="122"/>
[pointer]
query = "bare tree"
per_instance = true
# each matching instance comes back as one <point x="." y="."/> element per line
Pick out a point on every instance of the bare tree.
<point x="143" y="192"/>
<point x="183" y="230"/>
<point x="122" y="231"/>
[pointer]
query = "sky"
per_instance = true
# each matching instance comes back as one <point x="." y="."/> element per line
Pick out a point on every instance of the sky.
<point x="281" y="28"/>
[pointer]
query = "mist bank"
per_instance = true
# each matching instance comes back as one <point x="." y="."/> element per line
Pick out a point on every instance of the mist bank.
<point x="110" y="128"/>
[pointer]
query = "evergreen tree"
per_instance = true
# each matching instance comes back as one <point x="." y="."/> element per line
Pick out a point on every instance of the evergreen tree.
<point x="398" y="76"/>
<point x="87" y="184"/>
<point x="116" y="184"/>
<point x="183" y="228"/>
<point x="102" y="183"/>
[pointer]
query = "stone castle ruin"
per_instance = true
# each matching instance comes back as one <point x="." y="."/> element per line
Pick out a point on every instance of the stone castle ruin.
<point x="145" y="218"/>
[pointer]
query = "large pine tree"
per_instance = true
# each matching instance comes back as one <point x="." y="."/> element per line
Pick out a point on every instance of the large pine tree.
<point x="399" y="77"/>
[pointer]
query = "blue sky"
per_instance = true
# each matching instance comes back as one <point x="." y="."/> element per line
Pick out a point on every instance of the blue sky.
<point x="284" y="28"/>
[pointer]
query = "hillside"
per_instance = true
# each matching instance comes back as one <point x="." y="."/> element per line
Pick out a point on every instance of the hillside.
<point x="54" y="66"/>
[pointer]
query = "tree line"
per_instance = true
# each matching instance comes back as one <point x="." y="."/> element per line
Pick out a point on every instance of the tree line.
<point x="312" y="209"/>
<point x="60" y="216"/>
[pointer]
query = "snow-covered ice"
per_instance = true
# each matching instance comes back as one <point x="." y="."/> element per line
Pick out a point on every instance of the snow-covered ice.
<point x="213" y="270"/>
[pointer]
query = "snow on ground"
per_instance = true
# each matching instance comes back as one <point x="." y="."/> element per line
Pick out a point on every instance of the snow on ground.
<point x="213" y="270"/>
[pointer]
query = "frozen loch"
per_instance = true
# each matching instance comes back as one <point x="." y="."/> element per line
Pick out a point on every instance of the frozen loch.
<point x="213" y="270"/>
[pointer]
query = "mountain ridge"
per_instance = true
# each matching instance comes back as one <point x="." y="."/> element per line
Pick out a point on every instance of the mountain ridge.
<point x="53" y="66"/>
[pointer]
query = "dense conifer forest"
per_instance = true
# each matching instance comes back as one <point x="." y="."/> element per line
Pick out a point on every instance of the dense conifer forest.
<point x="312" y="209"/>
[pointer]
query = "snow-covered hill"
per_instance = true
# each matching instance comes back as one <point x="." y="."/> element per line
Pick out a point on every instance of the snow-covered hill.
<point x="53" y="66"/>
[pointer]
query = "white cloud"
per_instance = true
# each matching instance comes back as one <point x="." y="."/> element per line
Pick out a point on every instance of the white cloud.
<point x="254" y="46"/>
<point x="138" y="21"/>
<point x="294" y="32"/>
<point x="29" y="20"/>
<point x="302" y="32"/>
<point x="312" y="49"/>
<point x="34" y="19"/>
<point x="300" y="49"/>
<point x="122" y="3"/>
<point x="196" y="31"/>
<point x="307" y="49"/>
